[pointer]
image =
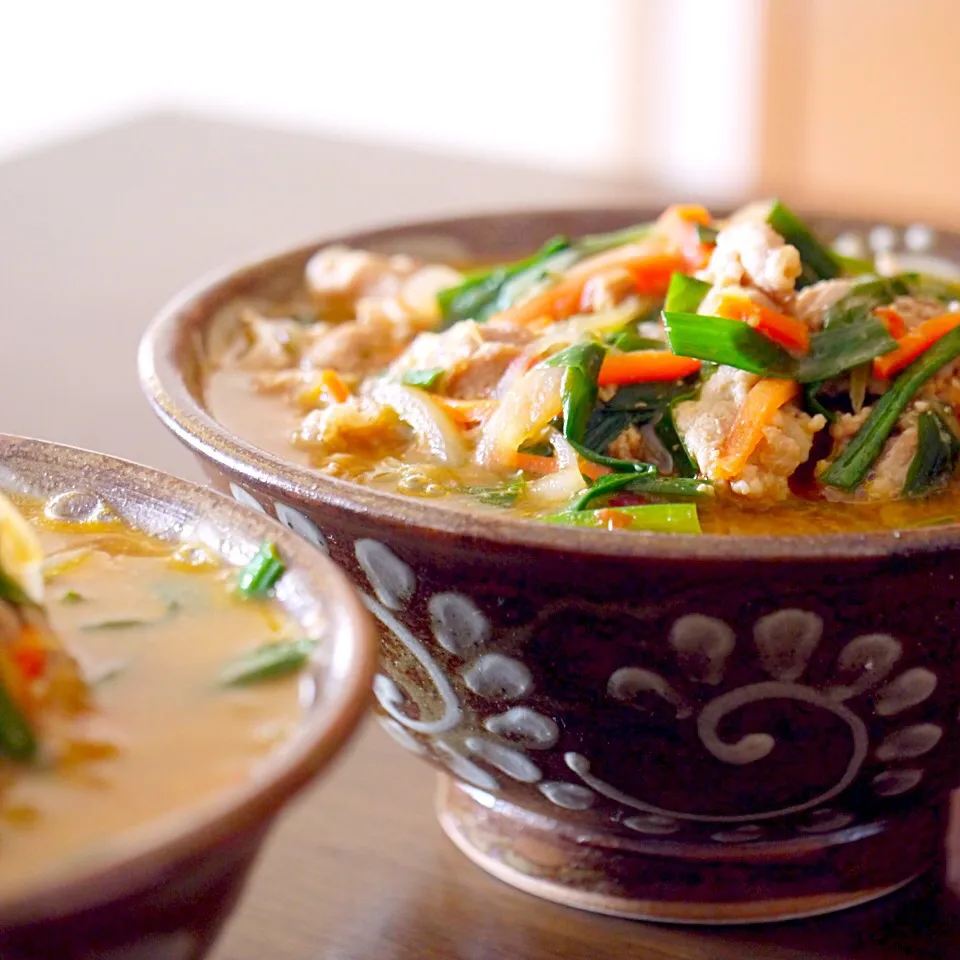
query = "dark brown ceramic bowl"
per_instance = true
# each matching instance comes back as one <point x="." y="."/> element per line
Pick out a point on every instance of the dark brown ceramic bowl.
<point x="165" y="890"/>
<point x="694" y="729"/>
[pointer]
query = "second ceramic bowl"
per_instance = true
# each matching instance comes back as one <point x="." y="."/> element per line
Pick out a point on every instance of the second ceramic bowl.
<point x="165" y="889"/>
<point x="694" y="729"/>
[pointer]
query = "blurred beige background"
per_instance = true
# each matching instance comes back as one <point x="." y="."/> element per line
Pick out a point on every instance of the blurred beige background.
<point x="847" y="104"/>
<point x="860" y="105"/>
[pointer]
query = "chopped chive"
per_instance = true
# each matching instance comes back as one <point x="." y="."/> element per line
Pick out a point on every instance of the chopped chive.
<point x="706" y="234"/>
<point x="619" y="466"/>
<point x="262" y="572"/>
<point x="502" y="495"/>
<point x="598" y="242"/>
<point x="71" y="596"/>
<point x="654" y="518"/>
<point x="120" y="623"/>
<point x="685" y="294"/>
<point x="849" y="469"/>
<point x="479" y="296"/>
<point x="818" y="262"/>
<point x="729" y="342"/>
<point x="12" y="592"/>
<point x="813" y="403"/>
<point x="268" y="662"/>
<point x="578" y="389"/>
<point x="627" y="341"/>
<point x="647" y="484"/>
<point x="935" y="458"/>
<point x="842" y="347"/>
<point x="666" y="430"/>
<point x="605" y="425"/>
<point x="424" y="379"/>
<point x="17" y="738"/>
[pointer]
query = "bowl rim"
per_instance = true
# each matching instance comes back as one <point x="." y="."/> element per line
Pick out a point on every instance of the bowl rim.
<point x="165" y="387"/>
<point x="145" y="854"/>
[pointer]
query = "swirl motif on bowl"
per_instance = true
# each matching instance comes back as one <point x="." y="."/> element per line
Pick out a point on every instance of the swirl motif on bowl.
<point x="482" y="748"/>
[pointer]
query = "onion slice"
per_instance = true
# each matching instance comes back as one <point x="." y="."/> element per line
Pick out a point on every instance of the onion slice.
<point x="434" y="429"/>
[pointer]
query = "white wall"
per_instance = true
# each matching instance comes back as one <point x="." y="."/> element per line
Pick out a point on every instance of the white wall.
<point x="662" y="89"/>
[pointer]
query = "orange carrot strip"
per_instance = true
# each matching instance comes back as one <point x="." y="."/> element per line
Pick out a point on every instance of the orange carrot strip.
<point x="778" y="327"/>
<point x="765" y="398"/>
<point x="466" y="412"/>
<point x="651" y="274"/>
<point x="31" y="661"/>
<point x="892" y="321"/>
<point x="534" y="463"/>
<point x="678" y="224"/>
<point x="644" y="366"/>
<point x="334" y="385"/>
<point x="913" y="343"/>
<point x="613" y="519"/>
<point x="593" y="470"/>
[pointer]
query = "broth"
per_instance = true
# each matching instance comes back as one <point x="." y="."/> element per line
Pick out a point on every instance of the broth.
<point x="602" y="376"/>
<point x="152" y="631"/>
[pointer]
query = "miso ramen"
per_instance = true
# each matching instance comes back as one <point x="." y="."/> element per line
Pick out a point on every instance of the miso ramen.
<point x="690" y="374"/>
<point x="137" y="678"/>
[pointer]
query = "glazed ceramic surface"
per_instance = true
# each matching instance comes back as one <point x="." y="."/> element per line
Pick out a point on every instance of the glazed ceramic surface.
<point x="709" y="729"/>
<point x="162" y="892"/>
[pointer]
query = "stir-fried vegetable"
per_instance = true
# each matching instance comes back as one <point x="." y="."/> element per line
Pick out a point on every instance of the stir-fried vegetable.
<point x="645" y="366"/>
<point x="818" y="262"/>
<point x="649" y="484"/>
<point x="913" y="343"/>
<point x="654" y="518"/>
<point x="426" y="379"/>
<point x="261" y="574"/>
<point x="17" y="738"/>
<point x="849" y="469"/>
<point x="763" y="401"/>
<point x="578" y="391"/>
<point x="624" y="366"/>
<point x="842" y="347"/>
<point x="936" y="456"/>
<point x="477" y="297"/>
<point x="435" y="431"/>
<point x="268" y="662"/>
<point x="781" y="329"/>
<point x="729" y="342"/>
<point x="685" y="294"/>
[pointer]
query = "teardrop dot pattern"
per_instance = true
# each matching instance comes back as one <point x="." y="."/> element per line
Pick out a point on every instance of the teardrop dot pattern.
<point x="524" y="727"/>
<point x="909" y="742"/>
<point x="245" y="498"/>
<point x="784" y="644"/>
<point x="892" y="783"/>
<point x="457" y="623"/>
<point x="910" y="689"/>
<point x="653" y="825"/>
<point x="826" y="820"/>
<point x="786" y="640"/>
<point x="569" y="796"/>
<point x="514" y="763"/>
<point x="748" y="833"/>
<point x="702" y="646"/>
<point x="393" y="581"/>
<point x="301" y="525"/>
<point x="498" y="677"/>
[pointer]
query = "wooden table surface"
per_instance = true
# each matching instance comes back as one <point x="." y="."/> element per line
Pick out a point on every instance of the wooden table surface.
<point x="94" y="236"/>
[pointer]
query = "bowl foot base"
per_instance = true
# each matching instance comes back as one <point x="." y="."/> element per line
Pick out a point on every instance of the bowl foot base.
<point x="668" y="883"/>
